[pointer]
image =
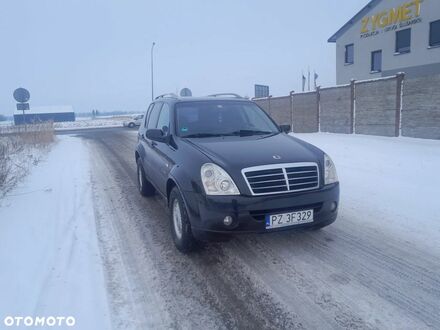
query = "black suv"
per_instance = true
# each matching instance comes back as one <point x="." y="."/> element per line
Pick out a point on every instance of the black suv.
<point x="224" y="166"/>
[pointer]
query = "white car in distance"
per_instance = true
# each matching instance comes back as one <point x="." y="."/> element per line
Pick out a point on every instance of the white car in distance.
<point x="135" y="121"/>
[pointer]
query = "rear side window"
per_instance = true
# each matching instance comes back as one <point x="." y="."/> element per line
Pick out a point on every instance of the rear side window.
<point x="164" y="118"/>
<point x="147" y="114"/>
<point x="154" y="116"/>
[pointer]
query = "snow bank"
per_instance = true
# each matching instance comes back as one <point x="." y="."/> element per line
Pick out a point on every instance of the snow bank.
<point x="21" y="148"/>
<point x="49" y="255"/>
<point x="389" y="184"/>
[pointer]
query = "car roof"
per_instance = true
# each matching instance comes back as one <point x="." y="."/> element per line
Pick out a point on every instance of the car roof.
<point x="201" y="99"/>
<point x="210" y="98"/>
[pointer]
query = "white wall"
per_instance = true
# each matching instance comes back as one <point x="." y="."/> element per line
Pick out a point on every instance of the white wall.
<point x="420" y="53"/>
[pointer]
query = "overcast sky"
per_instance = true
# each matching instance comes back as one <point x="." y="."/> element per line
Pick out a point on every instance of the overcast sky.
<point x="96" y="53"/>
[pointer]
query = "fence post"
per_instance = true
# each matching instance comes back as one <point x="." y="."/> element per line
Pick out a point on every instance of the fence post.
<point x="291" y="109"/>
<point x="318" y="111"/>
<point x="268" y="101"/>
<point x="400" y="78"/>
<point x="352" y="105"/>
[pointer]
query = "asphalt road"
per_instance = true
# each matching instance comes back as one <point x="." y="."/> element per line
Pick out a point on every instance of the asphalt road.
<point x="347" y="275"/>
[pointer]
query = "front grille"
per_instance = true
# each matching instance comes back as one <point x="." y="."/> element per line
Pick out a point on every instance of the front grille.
<point x="282" y="178"/>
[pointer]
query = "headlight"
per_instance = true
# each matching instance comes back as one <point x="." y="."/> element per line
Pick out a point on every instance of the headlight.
<point x="330" y="171"/>
<point x="216" y="181"/>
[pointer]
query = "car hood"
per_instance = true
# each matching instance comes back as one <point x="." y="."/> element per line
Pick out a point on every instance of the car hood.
<point x="241" y="152"/>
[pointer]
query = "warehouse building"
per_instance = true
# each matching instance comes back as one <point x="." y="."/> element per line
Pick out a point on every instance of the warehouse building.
<point x="387" y="37"/>
<point x="42" y="114"/>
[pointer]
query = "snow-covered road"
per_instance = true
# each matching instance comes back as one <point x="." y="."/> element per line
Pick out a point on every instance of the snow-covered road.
<point x="376" y="267"/>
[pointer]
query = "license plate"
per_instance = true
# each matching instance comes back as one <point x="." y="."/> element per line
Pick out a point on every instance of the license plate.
<point x="289" y="219"/>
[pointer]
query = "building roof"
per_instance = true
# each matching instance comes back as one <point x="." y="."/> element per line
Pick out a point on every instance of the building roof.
<point x="355" y="19"/>
<point x="46" y="109"/>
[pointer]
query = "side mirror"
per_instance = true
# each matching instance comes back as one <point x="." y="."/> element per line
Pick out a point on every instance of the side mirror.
<point x="156" y="134"/>
<point x="285" y="128"/>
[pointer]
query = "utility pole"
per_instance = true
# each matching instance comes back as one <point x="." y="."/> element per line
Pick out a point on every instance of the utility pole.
<point x="152" y="72"/>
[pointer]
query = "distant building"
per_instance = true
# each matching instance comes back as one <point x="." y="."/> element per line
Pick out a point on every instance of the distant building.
<point x="42" y="114"/>
<point x="387" y="37"/>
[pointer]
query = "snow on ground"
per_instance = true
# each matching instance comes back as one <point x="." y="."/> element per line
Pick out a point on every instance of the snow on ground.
<point x="6" y="123"/>
<point x="49" y="255"/>
<point x="116" y="121"/>
<point x="393" y="182"/>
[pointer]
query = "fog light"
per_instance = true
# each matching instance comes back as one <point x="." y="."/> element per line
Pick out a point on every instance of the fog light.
<point x="227" y="220"/>
<point x="334" y="206"/>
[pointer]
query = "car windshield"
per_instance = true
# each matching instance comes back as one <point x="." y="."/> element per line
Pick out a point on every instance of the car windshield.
<point x="222" y="118"/>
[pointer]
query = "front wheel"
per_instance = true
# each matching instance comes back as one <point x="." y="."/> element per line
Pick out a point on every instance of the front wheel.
<point x="180" y="224"/>
<point x="131" y="125"/>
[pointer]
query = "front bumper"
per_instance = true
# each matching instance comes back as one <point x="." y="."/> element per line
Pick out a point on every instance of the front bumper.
<point x="206" y="213"/>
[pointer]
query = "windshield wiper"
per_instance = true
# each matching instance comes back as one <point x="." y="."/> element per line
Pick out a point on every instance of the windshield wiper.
<point x="202" y="135"/>
<point x="243" y="132"/>
<point x="249" y="132"/>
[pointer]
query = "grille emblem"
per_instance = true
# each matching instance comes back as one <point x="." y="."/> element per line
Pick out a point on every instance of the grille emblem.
<point x="276" y="157"/>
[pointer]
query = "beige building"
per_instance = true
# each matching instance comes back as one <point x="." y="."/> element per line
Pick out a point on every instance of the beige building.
<point x="387" y="37"/>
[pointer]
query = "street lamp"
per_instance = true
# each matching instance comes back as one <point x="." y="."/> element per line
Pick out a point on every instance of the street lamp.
<point x="152" y="72"/>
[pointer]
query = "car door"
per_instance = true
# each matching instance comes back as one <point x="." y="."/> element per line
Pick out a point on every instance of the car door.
<point x="161" y="159"/>
<point x="141" y="132"/>
<point x="146" y="144"/>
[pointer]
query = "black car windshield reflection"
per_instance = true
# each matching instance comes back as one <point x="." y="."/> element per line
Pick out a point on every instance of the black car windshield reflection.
<point x="224" y="118"/>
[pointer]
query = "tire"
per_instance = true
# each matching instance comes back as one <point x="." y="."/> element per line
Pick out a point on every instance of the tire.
<point x="180" y="224"/>
<point x="131" y="125"/>
<point x="144" y="186"/>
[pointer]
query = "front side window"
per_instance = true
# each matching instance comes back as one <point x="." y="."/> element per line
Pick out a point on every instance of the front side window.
<point x="154" y="116"/>
<point x="164" y="118"/>
<point x="403" y="41"/>
<point x="222" y="118"/>
<point x="376" y="61"/>
<point x="349" y="54"/>
<point x="434" y="34"/>
<point x="147" y="114"/>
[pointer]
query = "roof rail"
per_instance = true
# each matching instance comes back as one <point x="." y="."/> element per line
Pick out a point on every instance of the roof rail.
<point x="170" y="95"/>
<point x="226" y="94"/>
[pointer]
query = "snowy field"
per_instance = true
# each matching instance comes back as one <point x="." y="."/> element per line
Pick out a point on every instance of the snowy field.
<point x="6" y="123"/>
<point x="87" y="123"/>
<point x="393" y="183"/>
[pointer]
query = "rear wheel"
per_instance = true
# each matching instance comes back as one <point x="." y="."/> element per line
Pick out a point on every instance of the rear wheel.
<point x="144" y="186"/>
<point x="180" y="224"/>
<point x="131" y="125"/>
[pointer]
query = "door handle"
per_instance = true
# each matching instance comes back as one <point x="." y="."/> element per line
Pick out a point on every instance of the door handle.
<point x="153" y="143"/>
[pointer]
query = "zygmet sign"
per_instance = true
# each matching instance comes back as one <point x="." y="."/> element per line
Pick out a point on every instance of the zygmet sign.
<point x="392" y="19"/>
